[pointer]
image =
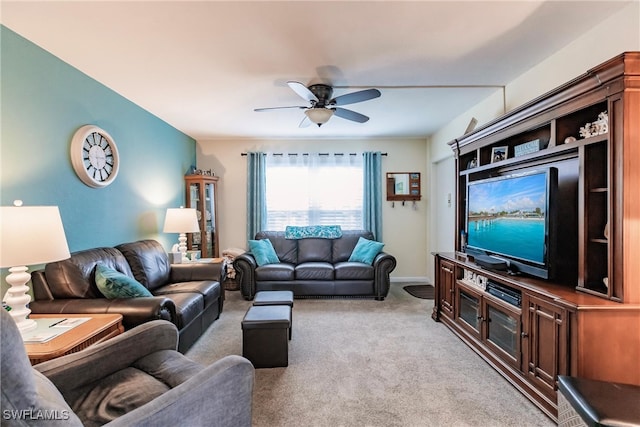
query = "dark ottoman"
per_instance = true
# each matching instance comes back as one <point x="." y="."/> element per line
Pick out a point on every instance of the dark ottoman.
<point x="276" y="298"/>
<point x="265" y="333"/>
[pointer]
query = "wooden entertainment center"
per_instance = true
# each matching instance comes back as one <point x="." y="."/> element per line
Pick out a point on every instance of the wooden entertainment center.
<point x="584" y="321"/>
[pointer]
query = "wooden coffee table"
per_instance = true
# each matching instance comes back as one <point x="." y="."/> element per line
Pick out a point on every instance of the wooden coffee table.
<point x="98" y="328"/>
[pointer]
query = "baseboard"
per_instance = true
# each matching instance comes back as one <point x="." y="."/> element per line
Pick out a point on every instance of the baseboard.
<point x="423" y="279"/>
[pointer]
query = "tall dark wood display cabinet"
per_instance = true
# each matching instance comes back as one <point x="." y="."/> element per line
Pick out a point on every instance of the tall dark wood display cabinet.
<point x="584" y="320"/>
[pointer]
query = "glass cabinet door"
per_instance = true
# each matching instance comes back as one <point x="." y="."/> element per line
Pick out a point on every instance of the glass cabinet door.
<point x="209" y="219"/>
<point x="503" y="332"/>
<point x="193" y="201"/>
<point x="470" y="311"/>
<point x="201" y="195"/>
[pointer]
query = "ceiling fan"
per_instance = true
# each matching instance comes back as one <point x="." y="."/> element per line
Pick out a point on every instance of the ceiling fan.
<point x="322" y="106"/>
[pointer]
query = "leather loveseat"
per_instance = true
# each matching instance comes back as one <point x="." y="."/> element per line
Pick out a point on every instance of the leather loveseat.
<point x="315" y="267"/>
<point x="188" y="295"/>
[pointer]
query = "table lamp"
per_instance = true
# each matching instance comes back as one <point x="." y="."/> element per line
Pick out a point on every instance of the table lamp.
<point x="29" y="235"/>
<point x="181" y="220"/>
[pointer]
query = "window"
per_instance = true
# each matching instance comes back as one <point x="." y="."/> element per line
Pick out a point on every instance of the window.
<point x="314" y="189"/>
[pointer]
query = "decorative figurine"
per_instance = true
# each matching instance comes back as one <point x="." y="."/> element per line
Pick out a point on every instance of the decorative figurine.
<point x="600" y="126"/>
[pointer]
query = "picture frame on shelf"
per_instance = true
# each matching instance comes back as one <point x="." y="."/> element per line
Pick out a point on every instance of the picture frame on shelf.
<point x="499" y="153"/>
<point x="472" y="163"/>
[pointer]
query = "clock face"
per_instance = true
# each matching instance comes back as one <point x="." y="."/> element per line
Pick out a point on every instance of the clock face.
<point x="94" y="156"/>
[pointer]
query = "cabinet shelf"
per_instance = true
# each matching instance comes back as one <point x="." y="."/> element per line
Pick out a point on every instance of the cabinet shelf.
<point x="600" y="240"/>
<point x="599" y="190"/>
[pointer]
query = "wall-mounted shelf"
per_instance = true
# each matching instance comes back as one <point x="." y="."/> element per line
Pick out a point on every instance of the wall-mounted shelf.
<point x="403" y="186"/>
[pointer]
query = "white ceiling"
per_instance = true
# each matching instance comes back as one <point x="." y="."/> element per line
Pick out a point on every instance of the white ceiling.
<point x="203" y="66"/>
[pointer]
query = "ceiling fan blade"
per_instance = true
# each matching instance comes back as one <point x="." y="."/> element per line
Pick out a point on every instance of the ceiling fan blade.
<point x="305" y="123"/>
<point x="278" y="108"/>
<point x="303" y="91"/>
<point x="350" y="115"/>
<point x="352" y="98"/>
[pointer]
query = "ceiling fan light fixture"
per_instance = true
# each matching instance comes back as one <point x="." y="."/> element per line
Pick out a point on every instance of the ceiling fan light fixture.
<point x="319" y="115"/>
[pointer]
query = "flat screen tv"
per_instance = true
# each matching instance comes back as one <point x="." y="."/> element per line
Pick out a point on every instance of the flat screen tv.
<point x="510" y="221"/>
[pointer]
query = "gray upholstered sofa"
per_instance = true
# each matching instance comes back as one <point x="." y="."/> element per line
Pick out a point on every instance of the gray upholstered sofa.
<point x="315" y="267"/>
<point x="134" y="379"/>
<point x="187" y="295"/>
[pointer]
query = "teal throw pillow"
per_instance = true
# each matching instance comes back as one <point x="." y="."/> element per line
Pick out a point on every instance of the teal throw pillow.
<point x="114" y="284"/>
<point x="263" y="252"/>
<point x="365" y="251"/>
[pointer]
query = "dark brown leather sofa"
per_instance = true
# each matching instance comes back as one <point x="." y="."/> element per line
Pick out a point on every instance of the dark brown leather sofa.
<point x="315" y="267"/>
<point x="188" y="295"/>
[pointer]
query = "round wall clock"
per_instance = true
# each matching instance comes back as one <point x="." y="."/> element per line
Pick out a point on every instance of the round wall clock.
<point x="94" y="156"/>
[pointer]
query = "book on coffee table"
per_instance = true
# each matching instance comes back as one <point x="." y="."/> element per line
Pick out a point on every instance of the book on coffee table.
<point x="49" y="328"/>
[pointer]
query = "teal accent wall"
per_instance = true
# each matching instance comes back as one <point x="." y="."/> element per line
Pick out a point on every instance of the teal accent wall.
<point x="43" y="102"/>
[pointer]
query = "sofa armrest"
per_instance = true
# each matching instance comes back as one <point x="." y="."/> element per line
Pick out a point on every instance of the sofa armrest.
<point x="135" y="311"/>
<point x="101" y="360"/>
<point x="245" y="266"/>
<point x="230" y="380"/>
<point x="383" y="265"/>
<point x="196" y="271"/>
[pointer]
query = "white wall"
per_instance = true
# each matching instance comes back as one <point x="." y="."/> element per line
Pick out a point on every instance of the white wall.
<point x="404" y="227"/>
<point x="619" y="33"/>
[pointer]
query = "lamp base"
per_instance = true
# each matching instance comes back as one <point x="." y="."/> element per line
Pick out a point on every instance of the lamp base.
<point x="17" y="298"/>
<point x="26" y="325"/>
<point x="182" y="247"/>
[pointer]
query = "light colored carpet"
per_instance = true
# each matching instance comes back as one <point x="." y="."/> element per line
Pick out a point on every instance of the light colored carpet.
<point x="371" y="363"/>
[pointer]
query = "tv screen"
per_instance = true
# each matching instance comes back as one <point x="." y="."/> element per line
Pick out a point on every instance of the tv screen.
<point x="509" y="216"/>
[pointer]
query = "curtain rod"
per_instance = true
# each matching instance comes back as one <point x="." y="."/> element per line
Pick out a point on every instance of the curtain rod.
<point x="320" y="154"/>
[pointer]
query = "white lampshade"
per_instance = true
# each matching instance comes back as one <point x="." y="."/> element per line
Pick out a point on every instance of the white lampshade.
<point x="319" y="115"/>
<point x="181" y="220"/>
<point x="31" y="235"/>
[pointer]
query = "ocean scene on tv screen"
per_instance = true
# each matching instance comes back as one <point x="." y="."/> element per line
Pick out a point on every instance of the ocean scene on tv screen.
<point x="507" y="216"/>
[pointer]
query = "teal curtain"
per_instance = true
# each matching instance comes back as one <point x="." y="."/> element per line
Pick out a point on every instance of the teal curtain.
<point x="256" y="193"/>
<point x="372" y="199"/>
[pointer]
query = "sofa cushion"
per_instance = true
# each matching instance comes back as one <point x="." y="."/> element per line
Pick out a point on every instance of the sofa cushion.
<point x="314" y="250"/>
<point x="343" y="246"/>
<point x="314" y="271"/>
<point x="148" y="261"/>
<point x="114" y="284"/>
<point x="275" y="272"/>
<point x="366" y="251"/>
<point x="74" y="277"/>
<point x="353" y="271"/>
<point x="263" y="252"/>
<point x="287" y="250"/>
<point x="117" y="394"/>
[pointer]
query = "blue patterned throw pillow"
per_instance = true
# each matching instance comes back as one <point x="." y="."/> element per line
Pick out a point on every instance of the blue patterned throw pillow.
<point x="114" y="284"/>
<point x="263" y="252"/>
<point x="365" y="251"/>
<point x="313" y="232"/>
